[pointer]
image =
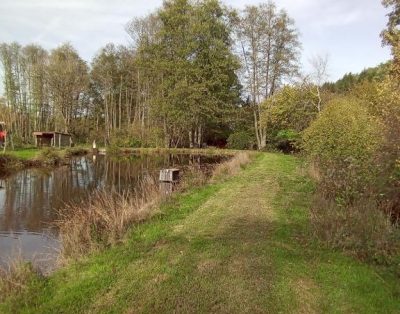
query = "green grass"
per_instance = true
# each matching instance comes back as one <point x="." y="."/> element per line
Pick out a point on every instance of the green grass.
<point x="25" y="154"/>
<point x="243" y="245"/>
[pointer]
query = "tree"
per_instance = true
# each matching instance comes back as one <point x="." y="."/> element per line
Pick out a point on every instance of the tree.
<point x="317" y="77"/>
<point x="269" y="48"/>
<point x="67" y="81"/>
<point x="191" y="68"/>
<point x="391" y="35"/>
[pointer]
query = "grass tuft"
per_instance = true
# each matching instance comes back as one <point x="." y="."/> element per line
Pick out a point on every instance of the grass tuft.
<point x="16" y="278"/>
<point x="232" y="166"/>
<point x="103" y="220"/>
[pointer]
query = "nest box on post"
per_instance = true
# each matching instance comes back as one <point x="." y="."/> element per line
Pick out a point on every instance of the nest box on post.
<point x="169" y="175"/>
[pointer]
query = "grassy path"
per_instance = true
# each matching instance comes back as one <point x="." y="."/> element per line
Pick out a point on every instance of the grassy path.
<point x="241" y="246"/>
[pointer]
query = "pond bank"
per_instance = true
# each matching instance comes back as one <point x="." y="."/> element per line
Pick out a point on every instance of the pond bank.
<point x="237" y="245"/>
<point x="194" y="151"/>
<point x="13" y="161"/>
<point x="104" y="193"/>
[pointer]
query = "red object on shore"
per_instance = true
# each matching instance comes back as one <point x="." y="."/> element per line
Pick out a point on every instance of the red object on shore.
<point x="3" y="135"/>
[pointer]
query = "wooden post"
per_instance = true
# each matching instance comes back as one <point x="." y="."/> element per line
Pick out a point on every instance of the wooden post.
<point x="168" y="180"/>
<point x="95" y="150"/>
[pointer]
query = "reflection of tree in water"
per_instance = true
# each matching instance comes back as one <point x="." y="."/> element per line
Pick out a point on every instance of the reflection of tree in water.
<point x="31" y="197"/>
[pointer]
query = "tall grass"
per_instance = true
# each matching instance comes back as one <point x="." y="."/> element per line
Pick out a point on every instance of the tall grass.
<point x="361" y="229"/>
<point x="232" y="166"/>
<point x="104" y="219"/>
<point x="16" y="277"/>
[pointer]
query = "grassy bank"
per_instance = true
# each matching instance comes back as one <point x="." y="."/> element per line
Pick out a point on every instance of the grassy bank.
<point x="12" y="161"/>
<point x="194" y="151"/>
<point x="237" y="245"/>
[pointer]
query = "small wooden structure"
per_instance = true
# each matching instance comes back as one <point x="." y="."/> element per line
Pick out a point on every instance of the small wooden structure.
<point x="52" y="139"/>
<point x="168" y="180"/>
<point x="169" y="175"/>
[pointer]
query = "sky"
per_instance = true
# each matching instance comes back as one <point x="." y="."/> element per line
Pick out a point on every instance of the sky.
<point x="345" y="30"/>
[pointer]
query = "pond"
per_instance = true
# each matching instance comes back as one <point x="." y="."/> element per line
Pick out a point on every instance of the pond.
<point x="30" y="199"/>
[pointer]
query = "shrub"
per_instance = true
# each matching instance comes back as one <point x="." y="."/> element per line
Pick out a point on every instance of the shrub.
<point x="125" y="138"/>
<point x="241" y="140"/>
<point x="349" y="151"/>
<point x="75" y="151"/>
<point x="49" y="156"/>
<point x="342" y="143"/>
<point x="287" y="140"/>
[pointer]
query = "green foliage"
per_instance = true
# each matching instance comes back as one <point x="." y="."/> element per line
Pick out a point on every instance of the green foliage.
<point x="192" y="69"/>
<point x="125" y="138"/>
<point x="342" y="143"/>
<point x="391" y="35"/>
<point x="49" y="156"/>
<point x="350" y="80"/>
<point x="353" y="146"/>
<point x="293" y="107"/>
<point x="287" y="140"/>
<point x="286" y="114"/>
<point x="241" y="140"/>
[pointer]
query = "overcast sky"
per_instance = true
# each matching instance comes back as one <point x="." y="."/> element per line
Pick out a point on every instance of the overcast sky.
<point x="346" y="30"/>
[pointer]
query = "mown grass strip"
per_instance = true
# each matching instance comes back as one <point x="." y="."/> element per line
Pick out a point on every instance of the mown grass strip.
<point x="243" y="245"/>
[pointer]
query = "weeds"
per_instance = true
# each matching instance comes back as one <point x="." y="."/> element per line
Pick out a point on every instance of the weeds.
<point x="104" y="220"/>
<point x="9" y="163"/>
<point x="49" y="157"/>
<point x="16" y="278"/>
<point x="231" y="167"/>
<point x="361" y="229"/>
<point x="75" y="151"/>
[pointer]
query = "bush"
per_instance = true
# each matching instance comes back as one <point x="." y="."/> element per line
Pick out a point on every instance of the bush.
<point x="349" y="151"/>
<point x="241" y="140"/>
<point x="49" y="156"/>
<point x="125" y="138"/>
<point x="342" y="143"/>
<point x="287" y="140"/>
<point x="75" y="151"/>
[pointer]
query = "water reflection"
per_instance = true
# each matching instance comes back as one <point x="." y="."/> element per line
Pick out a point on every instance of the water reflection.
<point x="30" y="198"/>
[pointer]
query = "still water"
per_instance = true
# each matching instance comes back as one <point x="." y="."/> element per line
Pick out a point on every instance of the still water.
<point x="29" y="199"/>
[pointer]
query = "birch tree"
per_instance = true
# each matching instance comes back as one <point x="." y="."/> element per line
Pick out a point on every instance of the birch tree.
<point x="67" y="81"/>
<point x="269" y="49"/>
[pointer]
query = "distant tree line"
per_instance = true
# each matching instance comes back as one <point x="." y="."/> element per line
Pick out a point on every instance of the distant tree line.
<point x="197" y="72"/>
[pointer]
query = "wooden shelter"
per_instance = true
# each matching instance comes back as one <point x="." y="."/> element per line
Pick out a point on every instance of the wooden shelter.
<point x="52" y="139"/>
